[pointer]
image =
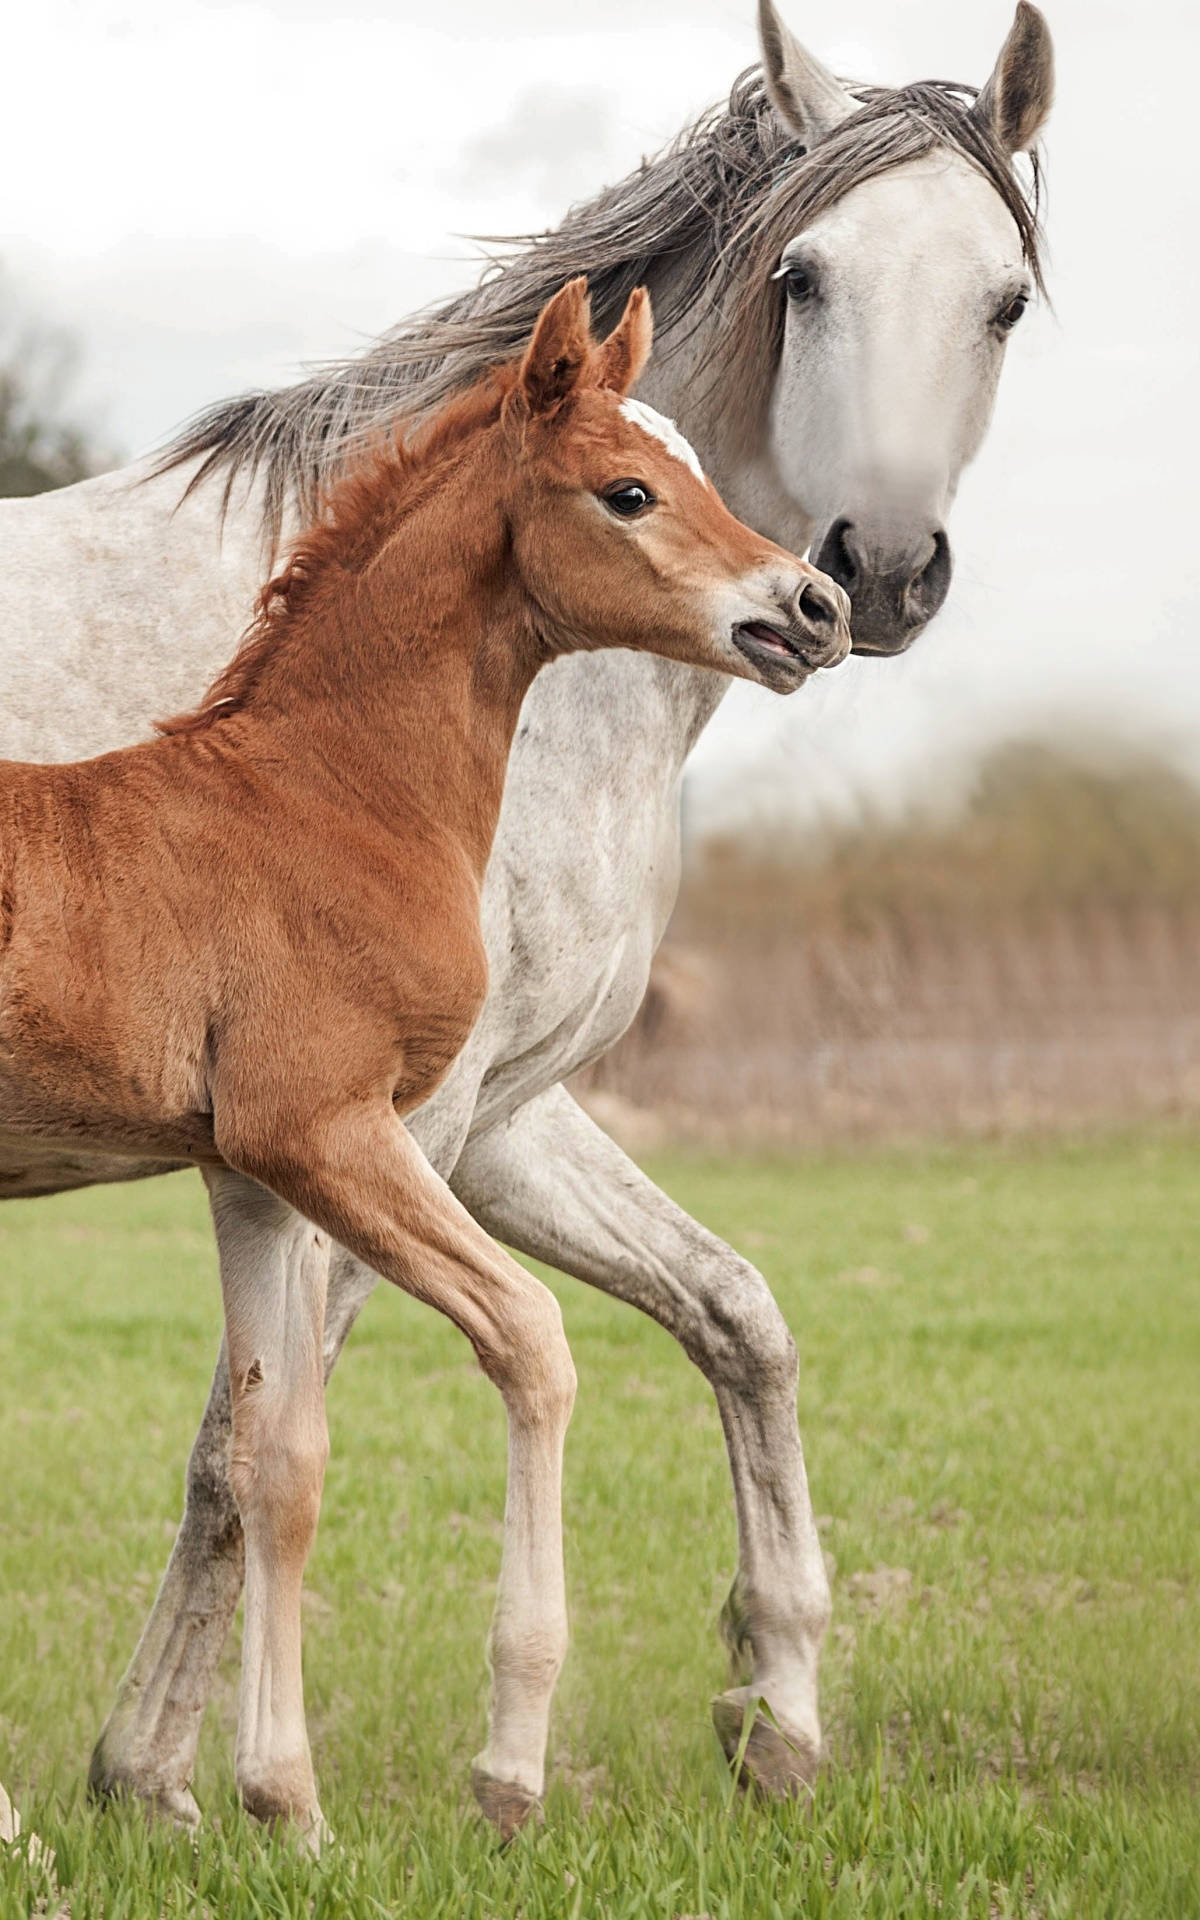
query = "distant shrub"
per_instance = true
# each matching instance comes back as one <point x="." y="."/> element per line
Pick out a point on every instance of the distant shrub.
<point x="40" y="446"/>
<point x="1042" y="833"/>
<point x="1031" y="962"/>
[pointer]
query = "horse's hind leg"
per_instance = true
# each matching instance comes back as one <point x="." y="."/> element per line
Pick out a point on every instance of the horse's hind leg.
<point x="362" y="1178"/>
<point x="274" y="1329"/>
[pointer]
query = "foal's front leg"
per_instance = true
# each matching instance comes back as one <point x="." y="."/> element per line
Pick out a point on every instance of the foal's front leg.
<point x="359" y="1175"/>
<point x="274" y="1329"/>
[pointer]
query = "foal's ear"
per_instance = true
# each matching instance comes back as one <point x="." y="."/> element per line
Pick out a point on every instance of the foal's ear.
<point x="559" y="350"/>
<point x="619" y="360"/>
<point x="1016" y="100"/>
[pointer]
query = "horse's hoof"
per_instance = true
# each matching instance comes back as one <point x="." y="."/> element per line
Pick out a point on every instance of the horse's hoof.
<point x="173" y="1805"/>
<point x="777" y="1765"/>
<point x="507" y="1805"/>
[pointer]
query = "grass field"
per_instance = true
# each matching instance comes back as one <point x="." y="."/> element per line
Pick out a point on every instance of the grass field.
<point x="1000" y="1398"/>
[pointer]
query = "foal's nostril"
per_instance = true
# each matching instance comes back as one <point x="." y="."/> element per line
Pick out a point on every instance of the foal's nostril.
<point x="817" y="605"/>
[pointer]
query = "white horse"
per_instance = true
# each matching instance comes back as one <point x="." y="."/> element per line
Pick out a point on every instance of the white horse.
<point x="835" y="274"/>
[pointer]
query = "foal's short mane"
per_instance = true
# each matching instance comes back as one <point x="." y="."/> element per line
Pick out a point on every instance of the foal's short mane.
<point x="712" y="213"/>
<point x="361" y="506"/>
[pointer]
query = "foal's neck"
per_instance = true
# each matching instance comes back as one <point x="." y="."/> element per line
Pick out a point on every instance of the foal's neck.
<point x="399" y="687"/>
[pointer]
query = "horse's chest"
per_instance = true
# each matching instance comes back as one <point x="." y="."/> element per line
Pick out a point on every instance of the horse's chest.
<point x="571" y="942"/>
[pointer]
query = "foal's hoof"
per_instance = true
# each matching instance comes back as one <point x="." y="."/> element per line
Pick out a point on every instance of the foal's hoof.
<point x="305" y="1826"/>
<point x="776" y="1764"/>
<point x="507" y="1805"/>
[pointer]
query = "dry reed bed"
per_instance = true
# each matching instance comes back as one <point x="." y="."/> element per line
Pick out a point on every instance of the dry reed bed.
<point x="1035" y="964"/>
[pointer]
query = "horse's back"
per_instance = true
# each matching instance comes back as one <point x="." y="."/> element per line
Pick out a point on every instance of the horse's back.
<point x="119" y="600"/>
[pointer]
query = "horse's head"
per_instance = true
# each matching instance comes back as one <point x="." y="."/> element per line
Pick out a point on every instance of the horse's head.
<point x="618" y="537"/>
<point x="897" y="300"/>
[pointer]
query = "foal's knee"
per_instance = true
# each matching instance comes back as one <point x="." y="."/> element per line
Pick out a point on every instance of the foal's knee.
<point x="530" y="1362"/>
<point x="280" y="1451"/>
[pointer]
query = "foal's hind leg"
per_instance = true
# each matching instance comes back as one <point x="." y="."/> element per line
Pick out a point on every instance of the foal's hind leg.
<point x="359" y="1175"/>
<point x="274" y="1328"/>
<point x="147" y="1748"/>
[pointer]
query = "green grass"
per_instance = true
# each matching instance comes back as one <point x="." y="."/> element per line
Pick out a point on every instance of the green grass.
<point x="1000" y="1397"/>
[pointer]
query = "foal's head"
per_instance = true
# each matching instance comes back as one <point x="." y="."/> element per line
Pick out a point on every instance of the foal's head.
<point x="618" y="537"/>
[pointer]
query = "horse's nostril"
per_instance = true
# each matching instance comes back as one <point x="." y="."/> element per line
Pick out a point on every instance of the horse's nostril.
<point x="816" y="606"/>
<point x="837" y="557"/>
<point x="929" y="587"/>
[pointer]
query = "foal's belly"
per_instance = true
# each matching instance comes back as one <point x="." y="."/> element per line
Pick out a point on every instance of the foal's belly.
<point x="30" y="1169"/>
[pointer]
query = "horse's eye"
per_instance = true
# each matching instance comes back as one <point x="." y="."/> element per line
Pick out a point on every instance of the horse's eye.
<point x="800" y="285"/>
<point x="1008" y="316"/>
<point x="629" y="499"/>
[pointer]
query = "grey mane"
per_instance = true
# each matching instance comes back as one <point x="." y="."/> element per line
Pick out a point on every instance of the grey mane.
<point x="705" y="220"/>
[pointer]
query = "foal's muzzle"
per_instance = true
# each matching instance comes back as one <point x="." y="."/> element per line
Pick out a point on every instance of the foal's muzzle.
<point x="812" y="631"/>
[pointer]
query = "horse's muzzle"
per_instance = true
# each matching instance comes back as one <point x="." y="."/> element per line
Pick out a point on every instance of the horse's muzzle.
<point x="896" y="585"/>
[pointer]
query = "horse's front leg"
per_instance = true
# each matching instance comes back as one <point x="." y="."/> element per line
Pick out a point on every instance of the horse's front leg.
<point x="551" y="1183"/>
<point x="147" y="1748"/>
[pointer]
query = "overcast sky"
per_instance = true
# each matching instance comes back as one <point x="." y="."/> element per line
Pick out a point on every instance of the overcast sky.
<point x="208" y="194"/>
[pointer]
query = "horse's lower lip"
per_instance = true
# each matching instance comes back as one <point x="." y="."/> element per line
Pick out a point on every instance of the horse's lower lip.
<point x="866" y="651"/>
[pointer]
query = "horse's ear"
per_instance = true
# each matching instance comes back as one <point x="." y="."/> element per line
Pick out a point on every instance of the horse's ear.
<point x="1017" y="99"/>
<point x="803" y="93"/>
<point x="619" y="360"/>
<point x="559" y="350"/>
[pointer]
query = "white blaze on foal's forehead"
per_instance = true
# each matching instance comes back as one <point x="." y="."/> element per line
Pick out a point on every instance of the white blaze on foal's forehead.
<point x="665" y="430"/>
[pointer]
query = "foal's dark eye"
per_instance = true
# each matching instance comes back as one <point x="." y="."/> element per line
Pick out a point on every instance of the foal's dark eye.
<point x="629" y="498"/>
<point x="1008" y="316"/>
<point x="800" y="285"/>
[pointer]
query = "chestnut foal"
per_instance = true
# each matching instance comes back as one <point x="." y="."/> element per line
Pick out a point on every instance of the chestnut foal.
<point x="197" y="935"/>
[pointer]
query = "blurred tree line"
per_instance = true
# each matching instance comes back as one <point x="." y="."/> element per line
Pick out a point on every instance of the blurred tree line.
<point x="41" y="444"/>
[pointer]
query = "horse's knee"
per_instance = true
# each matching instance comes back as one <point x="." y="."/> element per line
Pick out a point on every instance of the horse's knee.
<point x="740" y="1339"/>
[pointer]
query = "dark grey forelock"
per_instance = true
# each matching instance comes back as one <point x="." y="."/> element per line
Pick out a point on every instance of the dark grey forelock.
<point x="714" y="208"/>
